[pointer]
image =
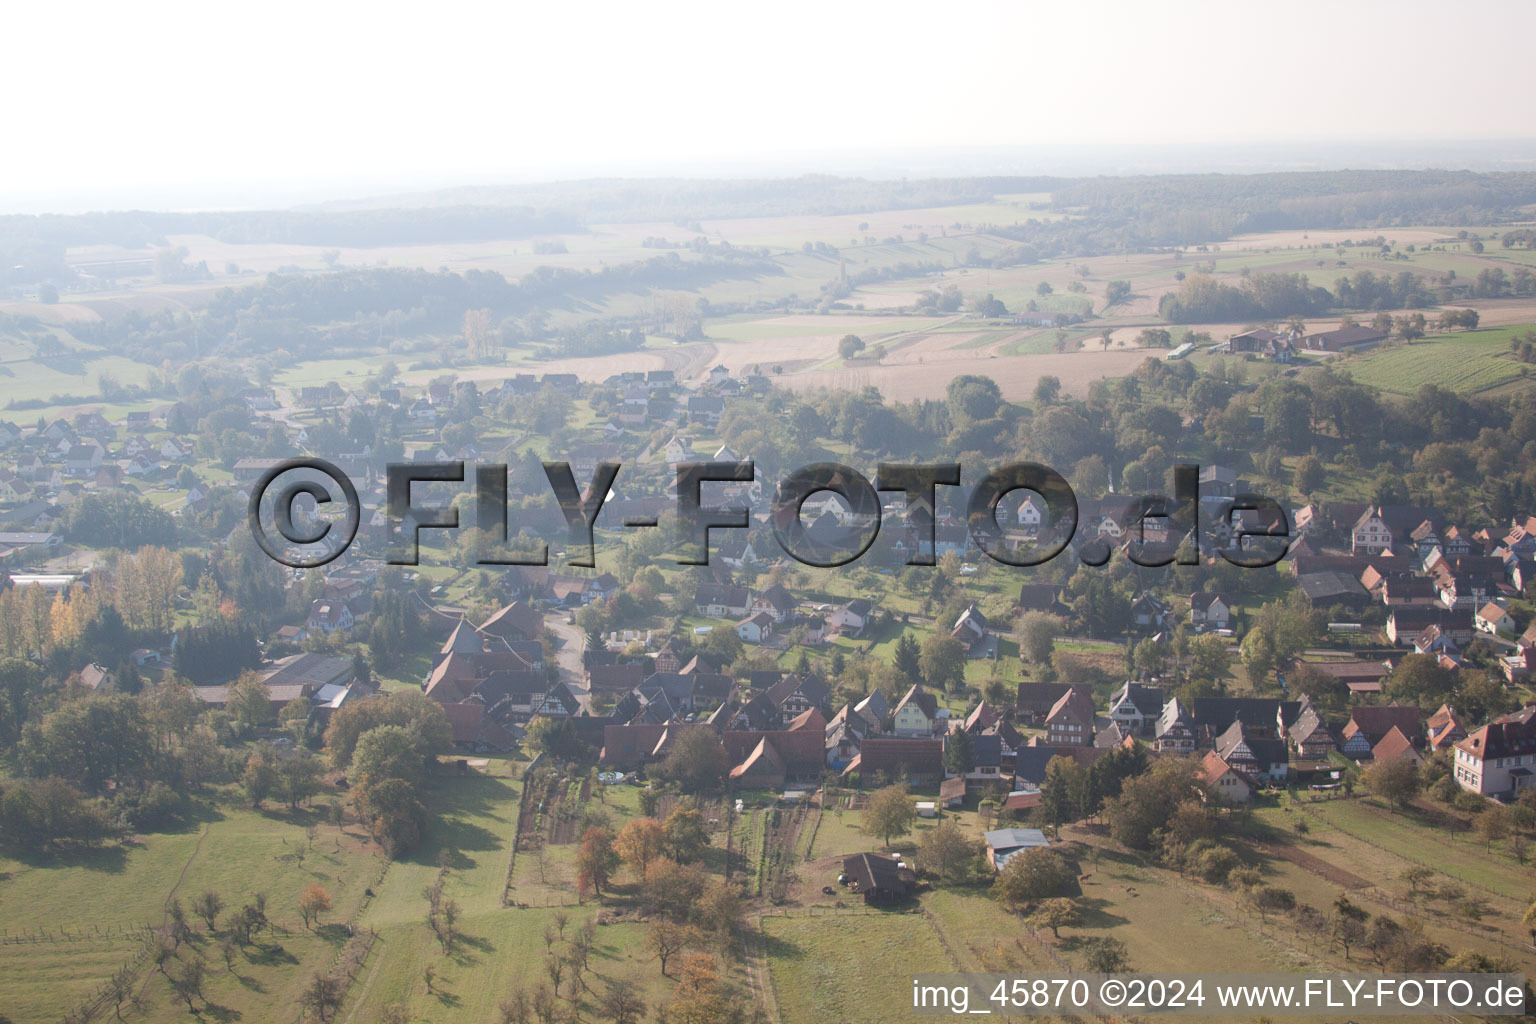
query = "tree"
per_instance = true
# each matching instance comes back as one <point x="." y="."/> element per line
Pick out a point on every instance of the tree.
<point x="943" y="661"/>
<point x="1492" y="825"/>
<point x="207" y="906"/>
<point x="313" y="902"/>
<point x="1419" y="679"/>
<point x="959" y="757"/>
<point x="595" y="860"/>
<point x="1396" y="781"/>
<point x="621" y="1004"/>
<point x="686" y="836"/>
<point x="1036" y="633"/>
<point x="719" y="909"/>
<point x="890" y="813"/>
<point x="1116" y="292"/>
<point x="946" y="853"/>
<point x="723" y="645"/>
<point x="697" y="763"/>
<point x="250" y="701"/>
<point x="906" y="657"/>
<point x="639" y="843"/>
<point x="850" y="346"/>
<point x="298" y="778"/>
<point x="387" y="752"/>
<point x="1062" y="791"/>
<point x="1031" y="875"/>
<point x="323" y="995"/>
<point x="514" y="1009"/>
<point x="186" y="978"/>
<point x="1267" y="899"/>
<point x="1310" y="474"/>
<point x="258" y="778"/>
<point x="666" y="938"/>
<point x="1107" y="956"/>
<point x="1209" y="660"/>
<point x="1055" y="914"/>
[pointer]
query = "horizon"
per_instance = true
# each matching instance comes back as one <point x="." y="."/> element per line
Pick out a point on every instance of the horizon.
<point x="356" y="104"/>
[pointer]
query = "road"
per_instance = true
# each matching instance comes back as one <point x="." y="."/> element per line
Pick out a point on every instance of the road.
<point x="571" y="639"/>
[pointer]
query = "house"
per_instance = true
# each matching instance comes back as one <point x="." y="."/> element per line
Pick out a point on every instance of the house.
<point x="794" y="695"/>
<point x="1035" y="700"/>
<point x="1380" y="526"/>
<point x="1395" y="745"/>
<point x="915" y="713"/>
<point x="1040" y="597"/>
<point x="1444" y="730"/>
<point x="1229" y="785"/>
<point x="1020" y="802"/>
<point x="756" y="628"/>
<point x="96" y="678"/>
<point x="1135" y="707"/>
<point x="970" y="630"/>
<point x="1495" y="619"/>
<point x="706" y="410"/>
<point x="516" y="621"/>
<point x="920" y="762"/>
<point x="1373" y="723"/>
<point x="986" y="759"/>
<point x="879" y="879"/>
<point x="1310" y="736"/>
<point x="1209" y="611"/>
<point x="721" y="601"/>
<point x="1175" y="729"/>
<point x="1004" y="844"/>
<point x="328" y="616"/>
<point x="851" y="618"/>
<point x="776" y="602"/>
<point x="1147" y="612"/>
<point x="1069" y="723"/>
<point x="1255" y="752"/>
<point x="1499" y="759"/>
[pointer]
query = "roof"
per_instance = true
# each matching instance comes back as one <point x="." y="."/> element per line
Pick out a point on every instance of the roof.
<point x="1507" y="736"/>
<point x="872" y="871"/>
<point x="514" y="621"/>
<point x="1075" y="703"/>
<point x="1022" y="800"/>
<point x="924" y="701"/>
<point x="1000" y="839"/>
<point x="1392" y="746"/>
<point x="1376" y="722"/>
<point x="893" y="756"/>
<point x="1213" y="767"/>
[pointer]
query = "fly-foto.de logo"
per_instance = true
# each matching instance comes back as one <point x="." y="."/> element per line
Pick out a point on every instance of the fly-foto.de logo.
<point x="1249" y="530"/>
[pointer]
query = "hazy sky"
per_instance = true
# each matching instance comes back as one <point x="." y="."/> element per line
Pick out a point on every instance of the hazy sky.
<point x="177" y="104"/>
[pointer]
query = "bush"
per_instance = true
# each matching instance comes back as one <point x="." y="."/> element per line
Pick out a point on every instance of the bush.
<point x="1215" y="865"/>
<point x="154" y="810"/>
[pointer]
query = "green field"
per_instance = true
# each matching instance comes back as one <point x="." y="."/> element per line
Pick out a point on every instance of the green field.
<point x="102" y="900"/>
<point x="855" y="969"/>
<point x="1466" y="362"/>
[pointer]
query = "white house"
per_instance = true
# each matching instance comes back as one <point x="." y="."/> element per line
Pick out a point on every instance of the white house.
<point x="1492" y="618"/>
<point x="1209" y="610"/>
<point x="756" y="629"/>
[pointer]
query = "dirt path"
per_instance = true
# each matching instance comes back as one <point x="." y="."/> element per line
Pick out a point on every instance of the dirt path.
<point x="1315" y="865"/>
